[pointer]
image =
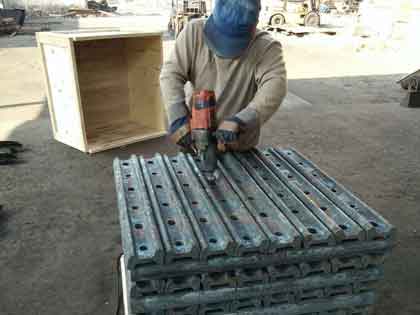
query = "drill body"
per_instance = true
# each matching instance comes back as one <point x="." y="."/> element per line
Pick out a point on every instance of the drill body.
<point x="203" y="127"/>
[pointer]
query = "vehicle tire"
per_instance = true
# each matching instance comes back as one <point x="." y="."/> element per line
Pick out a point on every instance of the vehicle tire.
<point x="277" y="20"/>
<point x="312" y="19"/>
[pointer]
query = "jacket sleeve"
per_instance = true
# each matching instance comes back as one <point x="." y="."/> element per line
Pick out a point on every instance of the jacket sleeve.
<point x="175" y="73"/>
<point x="271" y="80"/>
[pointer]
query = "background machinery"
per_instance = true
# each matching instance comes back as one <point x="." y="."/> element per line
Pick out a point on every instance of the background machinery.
<point x="302" y="12"/>
<point x="184" y="11"/>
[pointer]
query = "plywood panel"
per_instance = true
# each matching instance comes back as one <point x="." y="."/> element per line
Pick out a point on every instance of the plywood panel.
<point x="103" y="81"/>
<point x="121" y="133"/>
<point x="64" y="109"/>
<point x="104" y="89"/>
<point x="144" y="60"/>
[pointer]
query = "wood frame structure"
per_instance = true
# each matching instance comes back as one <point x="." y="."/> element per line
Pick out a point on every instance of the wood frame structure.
<point x="103" y="86"/>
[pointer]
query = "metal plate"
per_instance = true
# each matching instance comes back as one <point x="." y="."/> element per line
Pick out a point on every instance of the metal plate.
<point x="303" y="288"/>
<point x="264" y="206"/>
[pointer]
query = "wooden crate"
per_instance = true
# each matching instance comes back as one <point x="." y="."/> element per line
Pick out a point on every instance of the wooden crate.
<point x="103" y="87"/>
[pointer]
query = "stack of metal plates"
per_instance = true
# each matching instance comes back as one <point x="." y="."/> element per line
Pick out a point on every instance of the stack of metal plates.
<point x="272" y="235"/>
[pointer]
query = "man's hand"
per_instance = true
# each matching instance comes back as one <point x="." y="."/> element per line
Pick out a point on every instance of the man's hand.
<point x="227" y="134"/>
<point x="180" y="132"/>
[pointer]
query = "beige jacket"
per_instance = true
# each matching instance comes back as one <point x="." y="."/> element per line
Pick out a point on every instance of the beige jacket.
<point x="251" y="87"/>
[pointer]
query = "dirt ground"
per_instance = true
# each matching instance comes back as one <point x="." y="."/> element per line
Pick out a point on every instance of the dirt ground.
<point x="59" y="230"/>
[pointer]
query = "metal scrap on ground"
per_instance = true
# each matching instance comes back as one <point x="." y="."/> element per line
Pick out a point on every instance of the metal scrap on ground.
<point x="273" y="233"/>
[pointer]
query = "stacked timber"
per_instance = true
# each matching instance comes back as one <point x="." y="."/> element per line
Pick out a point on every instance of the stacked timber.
<point x="273" y="234"/>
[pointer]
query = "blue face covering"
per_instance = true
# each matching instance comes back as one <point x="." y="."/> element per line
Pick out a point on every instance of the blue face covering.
<point x="231" y="27"/>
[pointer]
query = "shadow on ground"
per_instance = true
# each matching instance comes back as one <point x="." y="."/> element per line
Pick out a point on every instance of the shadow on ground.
<point x="61" y="234"/>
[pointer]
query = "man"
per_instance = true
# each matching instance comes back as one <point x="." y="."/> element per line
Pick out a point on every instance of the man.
<point x="241" y="64"/>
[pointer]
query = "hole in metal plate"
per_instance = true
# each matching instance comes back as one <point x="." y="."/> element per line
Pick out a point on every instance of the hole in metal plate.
<point x="143" y="248"/>
<point x="213" y="240"/>
<point x="138" y="226"/>
<point x="171" y="221"/>
<point x="312" y="230"/>
<point x="343" y="227"/>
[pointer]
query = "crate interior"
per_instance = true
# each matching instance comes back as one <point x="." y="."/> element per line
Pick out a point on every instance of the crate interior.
<point x="119" y="90"/>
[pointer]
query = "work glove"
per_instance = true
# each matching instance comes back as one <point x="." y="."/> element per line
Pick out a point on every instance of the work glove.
<point x="180" y="132"/>
<point x="227" y="134"/>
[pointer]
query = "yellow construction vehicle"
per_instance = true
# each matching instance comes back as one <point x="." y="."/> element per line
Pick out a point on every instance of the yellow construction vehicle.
<point x="301" y="12"/>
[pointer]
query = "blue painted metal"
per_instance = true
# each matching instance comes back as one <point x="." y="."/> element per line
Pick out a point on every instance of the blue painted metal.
<point x="375" y="225"/>
<point x="281" y="233"/>
<point x="319" y="204"/>
<point x="375" y="248"/>
<point x="303" y="287"/>
<point x="286" y="201"/>
<point x="272" y="233"/>
<point x="141" y="240"/>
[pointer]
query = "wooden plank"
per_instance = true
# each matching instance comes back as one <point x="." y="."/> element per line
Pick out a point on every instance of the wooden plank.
<point x="96" y="34"/>
<point x="77" y="91"/>
<point x="47" y="86"/>
<point x="144" y="59"/>
<point x="49" y="38"/>
<point x="63" y="96"/>
<point x="119" y="134"/>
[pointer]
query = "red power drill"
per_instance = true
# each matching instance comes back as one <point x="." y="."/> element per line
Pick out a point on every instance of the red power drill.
<point x="203" y="127"/>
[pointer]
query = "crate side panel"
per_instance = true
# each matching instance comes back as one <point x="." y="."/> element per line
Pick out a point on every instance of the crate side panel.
<point x="144" y="59"/>
<point x="64" y="107"/>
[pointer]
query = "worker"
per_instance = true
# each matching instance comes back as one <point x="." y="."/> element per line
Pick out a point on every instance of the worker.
<point x="243" y="65"/>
